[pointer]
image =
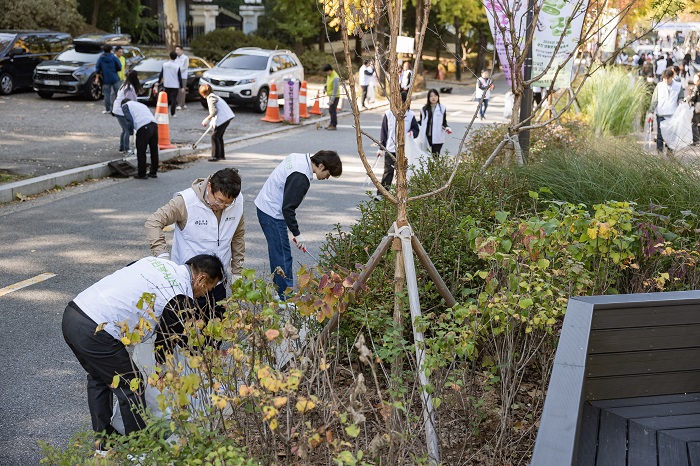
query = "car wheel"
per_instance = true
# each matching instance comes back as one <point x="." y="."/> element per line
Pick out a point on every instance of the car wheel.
<point x="260" y="104"/>
<point x="93" y="91"/>
<point x="45" y="94"/>
<point x="6" y="83"/>
<point x="204" y="103"/>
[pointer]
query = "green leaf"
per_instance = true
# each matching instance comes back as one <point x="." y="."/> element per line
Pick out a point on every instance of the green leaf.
<point x="352" y="430"/>
<point x="115" y="381"/>
<point x="506" y="244"/>
<point x="501" y="216"/>
<point x="483" y="274"/>
<point x="543" y="264"/>
<point x="134" y="384"/>
<point x="533" y="194"/>
<point x="525" y="303"/>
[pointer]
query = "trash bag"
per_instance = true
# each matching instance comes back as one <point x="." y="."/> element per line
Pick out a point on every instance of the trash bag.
<point x="415" y="157"/>
<point x="422" y="139"/>
<point x="677" y="130"/>
<point x="508" y="105"/>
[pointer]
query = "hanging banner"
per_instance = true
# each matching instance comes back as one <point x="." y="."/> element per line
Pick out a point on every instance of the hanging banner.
<point x="497" y="16"/>
<point x="608" y="30"/>
<point x="551" y="26"/>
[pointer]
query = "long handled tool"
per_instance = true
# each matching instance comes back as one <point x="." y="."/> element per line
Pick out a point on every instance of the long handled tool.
<point x="194" y="146"/>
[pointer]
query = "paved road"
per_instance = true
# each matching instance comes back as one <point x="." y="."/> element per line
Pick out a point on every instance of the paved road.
<point x="82" y="234"/>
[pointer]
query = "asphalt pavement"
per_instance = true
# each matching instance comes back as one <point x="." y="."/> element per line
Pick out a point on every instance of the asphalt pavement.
<point x="84" y="233"/>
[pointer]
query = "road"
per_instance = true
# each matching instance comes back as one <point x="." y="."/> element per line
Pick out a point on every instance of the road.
<point x="82" y="234"/>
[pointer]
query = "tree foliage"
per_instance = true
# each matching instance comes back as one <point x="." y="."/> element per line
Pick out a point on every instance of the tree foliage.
<point x="60" y="15"/>
<point x="291" y="21"/>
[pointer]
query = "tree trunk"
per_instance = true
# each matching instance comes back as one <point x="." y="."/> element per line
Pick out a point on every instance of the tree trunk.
<point x="420" y="6"/>
<point x="95" y="12"/>
<point x="358" y="46"/>
<point x="458" y="51"/>
<point x="481" y="52"/>
<point x="171" y="24"/>
<point x="322" y="39"/>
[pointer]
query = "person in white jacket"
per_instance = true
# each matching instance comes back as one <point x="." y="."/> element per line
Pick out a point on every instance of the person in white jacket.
<point x="664" y="102"/>
<point x="129" y="89"/>
<point x="484" y="86"/>
<point x="433" y="122"/>
<point x="220" y="115"/>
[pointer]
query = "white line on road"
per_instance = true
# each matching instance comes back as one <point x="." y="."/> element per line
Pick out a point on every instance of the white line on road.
<point x="26" y="283"/>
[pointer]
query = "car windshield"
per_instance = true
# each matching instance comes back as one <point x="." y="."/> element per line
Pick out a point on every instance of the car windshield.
<point x="244" y="62"/>
<point x="72" y="55"/>
<point x="6" y="40"/>
<point x="150" y="65"/>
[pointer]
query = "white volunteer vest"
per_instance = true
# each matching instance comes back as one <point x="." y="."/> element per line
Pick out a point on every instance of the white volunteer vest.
<point x="140" y="114"/>
<point x="391" y="128"/>
<point x="223" y="112"/>
<point x="668" y="98"/>
<point x="203" y="234"/>
<point x="271" y="195"/>
<point x="479" y="92"/>
<point x="438" y="116"/>
<point x="113" y="299"/>
<point x="171" y="74"/>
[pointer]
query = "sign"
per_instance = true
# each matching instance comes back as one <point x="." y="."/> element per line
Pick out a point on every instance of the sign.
<point x="497" y="13"/>
<point x="291" y="101"/>
<point x="608" y="30"/>
<point x="405" y="44"/>
<point x="553" y="23"/>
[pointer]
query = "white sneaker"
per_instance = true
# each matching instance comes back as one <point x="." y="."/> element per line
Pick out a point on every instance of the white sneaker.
<point x="184" y="106"/>
<point x="178" y="108"/>
<point x="101" y="453"/>
<point x="105" y="112"/>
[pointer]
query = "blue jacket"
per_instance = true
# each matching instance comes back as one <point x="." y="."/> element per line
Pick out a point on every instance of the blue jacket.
<point x="108" y="65"/>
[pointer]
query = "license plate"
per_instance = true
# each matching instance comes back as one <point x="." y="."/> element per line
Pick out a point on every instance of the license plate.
<point x="52" y="82"/>
<point x="223" y="94"/>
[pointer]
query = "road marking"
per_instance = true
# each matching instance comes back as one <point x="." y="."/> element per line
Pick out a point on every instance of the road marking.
<point x="26" y="283"/>
<point x="457" y="113"/>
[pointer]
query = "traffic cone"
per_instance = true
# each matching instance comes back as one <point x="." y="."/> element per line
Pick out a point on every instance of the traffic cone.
<point x="163" y="121"/>
<point x="316" y="110"/>
<point x="272" y="114"/>
<point x="303" y="108"/>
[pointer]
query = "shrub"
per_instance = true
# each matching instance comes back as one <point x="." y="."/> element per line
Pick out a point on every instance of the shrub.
<point x="313" y="62"/>
<point x="214" y="45"/>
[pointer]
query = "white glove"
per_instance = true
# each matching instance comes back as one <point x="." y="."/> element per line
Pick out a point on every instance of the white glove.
<point x="204" y="122"/>
<point x="300" y="241"/>
<point x="379" y="153"/>
<point x="448" y="130"/>
<point x="165" y="255"/>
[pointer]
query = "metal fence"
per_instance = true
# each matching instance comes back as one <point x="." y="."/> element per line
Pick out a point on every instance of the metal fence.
<point x="188" y="33"/>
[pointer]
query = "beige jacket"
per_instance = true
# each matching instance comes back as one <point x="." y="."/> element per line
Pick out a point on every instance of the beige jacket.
<point x="175" y="211"/>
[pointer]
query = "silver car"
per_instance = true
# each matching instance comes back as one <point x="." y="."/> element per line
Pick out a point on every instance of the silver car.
<point x="245" y="75"/>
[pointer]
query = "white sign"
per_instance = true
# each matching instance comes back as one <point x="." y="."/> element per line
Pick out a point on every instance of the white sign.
<point x="291" y="101"/>
<point x="405" y="44"/>
<point x="552" y="28"/>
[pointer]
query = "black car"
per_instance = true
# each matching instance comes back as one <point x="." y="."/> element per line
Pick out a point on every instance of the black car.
<point x="73" y="71"/>
<point x="149" y="70"/>
<point x="22" y="51"/>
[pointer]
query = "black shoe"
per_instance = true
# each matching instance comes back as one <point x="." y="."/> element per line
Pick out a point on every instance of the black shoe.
<point x="153" y="175"/>
<point x="141" y="177"/>
<point x="213" y="159"/>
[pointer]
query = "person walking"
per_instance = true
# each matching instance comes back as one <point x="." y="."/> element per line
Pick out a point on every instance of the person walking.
<point x="277" y="202"/>
<point x="694" y="101"/>
<point x="484" y="86"/>
<point x="664" y="102"/>
<point x="433" y="122"/>
<point x="660" y="67"/>
<point x="220" y="115"/>
<point x="119" y="53"/>
<point x="106" y="70"/>
<point x="184" y="62"/>
<point x="333" y="93"/>
<point x="130" y="89"/>
<point x="171" y="78"/>
<point x="208" y="219"/>
<point x="387" y="137"/>
<point x="405" y="80"/>
<point x="366" y="74"/>
<point x="141" y="120"/>
<point x="96" y="321"/>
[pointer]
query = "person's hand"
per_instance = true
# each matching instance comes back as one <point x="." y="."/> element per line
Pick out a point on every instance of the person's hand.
<point x="448" y="130"/>
<point x="379" y="153"/>
<point x="300" y="241"/>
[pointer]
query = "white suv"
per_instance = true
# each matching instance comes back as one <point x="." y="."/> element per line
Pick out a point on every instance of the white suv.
<point x="244" y="76"/>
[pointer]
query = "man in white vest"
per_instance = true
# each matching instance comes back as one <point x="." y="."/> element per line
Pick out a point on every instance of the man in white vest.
<point x="123" y="309"/>
<point x="277" y="203"/>
<point x="664" y="102"/>
<point x="184" y="62"/>
<point x="208" y="219"/>
<point x="140" y="120"/>
<point x="171" y="78"/>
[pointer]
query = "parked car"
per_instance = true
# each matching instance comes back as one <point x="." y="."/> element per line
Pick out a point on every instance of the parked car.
<point x="22" y="51"/>
<point x="244" y="76"/>
<point x="73" y="71"/>
<point x="149" y="71"/>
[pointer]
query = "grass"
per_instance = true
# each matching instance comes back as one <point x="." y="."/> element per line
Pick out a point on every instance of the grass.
<point x="9" y="177"/>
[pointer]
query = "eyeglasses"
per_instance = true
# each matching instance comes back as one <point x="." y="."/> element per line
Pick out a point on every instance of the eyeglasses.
<point x="218" y="202"/>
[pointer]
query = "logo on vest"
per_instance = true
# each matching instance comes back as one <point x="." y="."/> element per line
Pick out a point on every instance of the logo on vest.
<point x="229" y="218"/>
<point x="201" y="222"/>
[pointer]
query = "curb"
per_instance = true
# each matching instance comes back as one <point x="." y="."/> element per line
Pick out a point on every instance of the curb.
<point x="39" y="184"/>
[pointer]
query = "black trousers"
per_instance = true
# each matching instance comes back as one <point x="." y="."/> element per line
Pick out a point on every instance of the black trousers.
<point x="364" y="94"/>
<point x="103" y="357"/>
<point x="217" y="141"/>
<point x="388" y="175"/>
<point x="172" y="98"/>
<point x="696" y="131"/>
<point x="434" y="148"/>
<point x="333" y="111"/>
<point x="147" y="136"/>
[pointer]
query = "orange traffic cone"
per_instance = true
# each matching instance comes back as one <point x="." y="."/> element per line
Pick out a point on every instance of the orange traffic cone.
<point x="163" y="121"/>
<point x="303" y="108"/>
<point x="272" y="114"/>
<point x="316" y="110"/>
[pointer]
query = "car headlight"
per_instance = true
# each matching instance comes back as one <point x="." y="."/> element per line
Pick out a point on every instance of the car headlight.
<point x="80" y="75"/>
<point x="246" y="81"/>
<point x="148" y="85"/>
<point x="205" y="79"/>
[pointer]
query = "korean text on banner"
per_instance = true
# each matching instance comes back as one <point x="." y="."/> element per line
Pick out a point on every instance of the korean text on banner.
<point x="552" y="27"/>
<point x="497" y="14"/>
<point x="291" y="101"/>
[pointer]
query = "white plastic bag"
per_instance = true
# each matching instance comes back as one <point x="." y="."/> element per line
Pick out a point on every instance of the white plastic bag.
<point x="677" y="131"/>
<point x="508" y="106"/>
<point x="422" y="139"/>
<point x="370" y="93"/>
<point x="414" y="155"/>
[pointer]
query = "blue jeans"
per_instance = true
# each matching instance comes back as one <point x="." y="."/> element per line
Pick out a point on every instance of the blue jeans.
<point x="124" y="138"/>
<point x="278" y="250"/>
<point x="482" y="108"/>
<point x="110" y="93"/>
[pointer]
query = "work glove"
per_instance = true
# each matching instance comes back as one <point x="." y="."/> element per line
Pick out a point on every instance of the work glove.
<point x="448" y="130"/>
<point x="379" y="153"/>
<point x="300" y="241"/>
<point x="165" y="255"/>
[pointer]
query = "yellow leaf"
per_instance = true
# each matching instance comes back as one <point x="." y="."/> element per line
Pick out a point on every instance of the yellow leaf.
<point x="273" y="424"/>
<point x="195" y="362"/>
<point x="244" y="390"/>
<point x="221" y="403"/>
<point x="271" y="334"/>
<point x="304" y="405"/>
<point x="279" y="401"/>
<point x="324" y="365"/>
<point x="134" y="384"/>
<point x="592" y="233"/>
<point x="604" y="230"/>
<point x="125" y="341"/>
<point x="115" y="381"/>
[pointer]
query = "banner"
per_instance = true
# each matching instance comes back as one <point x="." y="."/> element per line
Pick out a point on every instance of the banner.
<point x="551" y="25"/>
<point x="497" y="16"/>
<point x="608" y="30"/>
<point x="291" y="101"/>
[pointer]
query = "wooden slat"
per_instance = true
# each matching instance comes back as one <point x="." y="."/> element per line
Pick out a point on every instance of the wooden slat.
<point x="672" y="450"/>
<point x="642" y="445"/>
<point x="647" y="338"/>
<point x="694" y="453"/>
<point x="606" y="388"/>
<point x="646" y="317"/>
<point x="588" y="439"/>
<point x="646" y="400"/>
<point x="612" y="440"/>
<point x="643" y="362"/>
<point x="657" y="410"/>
